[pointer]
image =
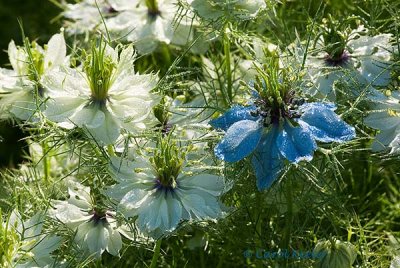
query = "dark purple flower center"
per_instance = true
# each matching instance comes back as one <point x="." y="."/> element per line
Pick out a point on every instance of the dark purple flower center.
<point x="153" y="13"/>
<point x="165" y="187"/>
<point x="99" y="217"/>
<point x="341" y="60"/>
<point x="111" y="10"/>
<point x="274" y="113"/>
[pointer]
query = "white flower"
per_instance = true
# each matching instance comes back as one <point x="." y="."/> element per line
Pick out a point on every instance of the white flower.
<point x="96" y="230"/>
<point x="214" y="9"/>
<point x="22" y="86"/>
<point x="385" y="116"/>
<point x="161" y="206"/>
<point x="24" y="245"/>
<point x="395" y="262"/>
<point x="105" y="98"/>
<point x="363" y="64"/>
<point x="147" y="23"/>
<point x="84" y="17"/>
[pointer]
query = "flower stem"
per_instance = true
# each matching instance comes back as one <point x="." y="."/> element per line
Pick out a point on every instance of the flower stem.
<point x="156" y="253"/>
<point x="227" y="52"/>
<point x="110" y="150"/>
<point x="46" y="162"/>
<point x="289" y="215"/>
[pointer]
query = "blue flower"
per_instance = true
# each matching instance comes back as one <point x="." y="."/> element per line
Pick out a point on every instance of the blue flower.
<point x="271" y="136"/>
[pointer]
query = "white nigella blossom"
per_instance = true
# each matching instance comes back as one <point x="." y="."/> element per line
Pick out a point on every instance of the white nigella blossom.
<point x="22" y="244"/>
<point x="358" y="59"/>
<point x="214" y="9"/>
<point x="161" y="194"/>
<point x="150" y="22"/>
<point x="395" y="262"/>
<point x="84" y="16"/>
<point x="96" y="229"/>
<point x="23" y="92"/>
<point x="385" y="117"/>
<point x="105" y="98"/>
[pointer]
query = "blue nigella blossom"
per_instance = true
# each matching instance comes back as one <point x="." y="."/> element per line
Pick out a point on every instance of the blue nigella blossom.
<point x="272" y="132"/>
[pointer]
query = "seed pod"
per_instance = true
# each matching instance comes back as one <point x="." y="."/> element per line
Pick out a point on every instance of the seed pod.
<point x="335" y="254"/>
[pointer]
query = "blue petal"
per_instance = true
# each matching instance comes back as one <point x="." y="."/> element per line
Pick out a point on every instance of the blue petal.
<point x="233" y="115"/>
<point x="296" y="143"/>
<point x="267" y="161"/>
<point x="324" y="124"/>
<point x="240" y="140"/>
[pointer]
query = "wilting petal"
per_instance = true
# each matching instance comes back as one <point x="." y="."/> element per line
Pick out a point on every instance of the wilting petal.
<point x="233" y="115"/>
<point x="240" y="140"/>
<point x="267" y="160"/>
<point x="296" y="143"/>
<point x="324" y="124"/>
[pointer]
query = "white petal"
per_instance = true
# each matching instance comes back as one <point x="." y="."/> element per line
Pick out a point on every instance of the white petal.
<point x="55" y="53"/>
<point x="381" y="120"/>
<point x="59" y="109"/>
<point x="114" y="244"/>
<point x="97" y="238"/>
<point x="211" y="184"/>
<point x="133" y="200"/>
<point x="70" y="215"/>
<point x="108" y="131"/>
<point x="90" y="116"/>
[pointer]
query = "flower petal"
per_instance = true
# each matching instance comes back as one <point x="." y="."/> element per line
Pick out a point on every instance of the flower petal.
<point x="211" y="184"/>
<point x="296" y="143"/>
<point x="56" y="51"/>
<point x="324" y="124"/>
<point x="240" y="140"/>
<point x="114" y="243"/>
<point x="233" y="115"/>
<point x="97" y="238"/>
<point x="383" y="120"/>
<point x="267" y="161"/>
<point x="107" y="132"/>
<point x="383" y="139"/>
<point x="90" y="116"/>
<point x="59" y="109"/>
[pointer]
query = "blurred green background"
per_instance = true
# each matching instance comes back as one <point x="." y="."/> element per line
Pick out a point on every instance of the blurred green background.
<point x="36" y="16"/>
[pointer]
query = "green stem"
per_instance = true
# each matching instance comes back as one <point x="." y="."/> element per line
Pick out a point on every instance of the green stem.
<point x="258" y="234"/>
<point x="46" y="162"/>
<point x="110" y="150"/>
<point x="156" y="254"/>
<point x="227" y="52"/>
<point x="289" y="215"/>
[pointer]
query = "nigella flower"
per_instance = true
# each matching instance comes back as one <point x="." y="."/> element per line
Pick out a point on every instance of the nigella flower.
<point x="22" y="86"/>
<point x="161" y="194"/>
<point x="275" y="127"/>
<point x="84" y="16"/>
<point x="22" y="243"/>
<point x="215" y="9"/>
<point x="96" y="229"/>
<point x="105" y="98"/>
<point x="148" y="23"/>
<point x="356" y="58"/>
<point x="385" y="116"/>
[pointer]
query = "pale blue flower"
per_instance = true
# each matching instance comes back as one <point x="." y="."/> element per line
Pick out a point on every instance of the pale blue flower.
<point x="270" y="138"/>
